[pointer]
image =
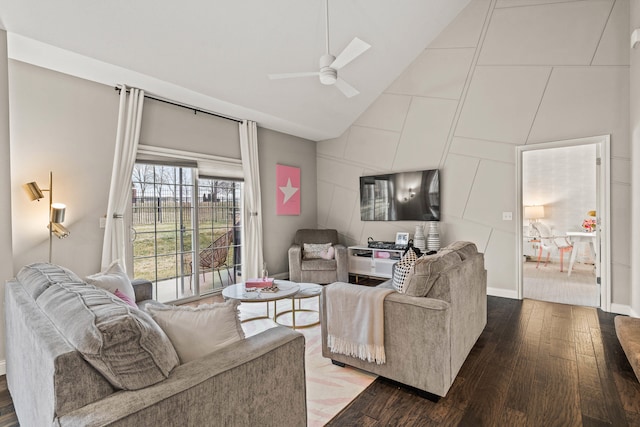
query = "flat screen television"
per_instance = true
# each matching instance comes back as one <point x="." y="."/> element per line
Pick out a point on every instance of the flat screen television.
<point x="402" y="196"/>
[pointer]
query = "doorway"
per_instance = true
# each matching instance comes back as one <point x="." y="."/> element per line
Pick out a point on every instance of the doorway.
<point x="562" y="221"/>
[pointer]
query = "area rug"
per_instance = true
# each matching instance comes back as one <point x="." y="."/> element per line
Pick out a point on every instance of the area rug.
<point x="329" y="388"/>
<point x="549" y="284"/>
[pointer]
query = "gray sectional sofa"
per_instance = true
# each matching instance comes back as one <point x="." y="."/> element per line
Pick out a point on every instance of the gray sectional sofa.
<point x="259" y="380"/>
<point x="427" y="338"/>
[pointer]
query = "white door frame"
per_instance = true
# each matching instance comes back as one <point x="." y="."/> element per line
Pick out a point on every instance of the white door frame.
<point x="603" y="202"/>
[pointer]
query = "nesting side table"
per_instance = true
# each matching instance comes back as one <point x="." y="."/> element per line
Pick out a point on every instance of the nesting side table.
<point x="307" y="290"/>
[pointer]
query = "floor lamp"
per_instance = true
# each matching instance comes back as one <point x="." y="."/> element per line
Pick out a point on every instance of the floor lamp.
<point x="56" y="211"/>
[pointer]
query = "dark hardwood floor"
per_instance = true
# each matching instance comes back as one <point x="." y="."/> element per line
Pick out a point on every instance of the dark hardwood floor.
<point x="7" y="413"/>
<point x="535" y="364"/>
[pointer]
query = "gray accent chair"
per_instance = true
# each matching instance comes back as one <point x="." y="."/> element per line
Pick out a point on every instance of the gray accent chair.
<point x="427" y="338"/>
<point x="258" y="381"/>
<point x="319" y="271"/>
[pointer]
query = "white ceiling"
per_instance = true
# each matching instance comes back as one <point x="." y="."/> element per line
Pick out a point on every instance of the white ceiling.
<point x="216" y="55"/>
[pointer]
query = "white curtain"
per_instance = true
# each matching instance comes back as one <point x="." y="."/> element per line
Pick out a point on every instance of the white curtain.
<point x="127" y="137"/>
<point x="252" y="255"/>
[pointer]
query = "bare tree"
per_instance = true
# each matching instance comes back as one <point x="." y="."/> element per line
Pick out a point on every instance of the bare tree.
<point x="142" y="177"/>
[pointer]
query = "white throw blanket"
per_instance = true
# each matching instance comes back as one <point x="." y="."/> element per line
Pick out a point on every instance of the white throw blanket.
<point x="355" y="321"/>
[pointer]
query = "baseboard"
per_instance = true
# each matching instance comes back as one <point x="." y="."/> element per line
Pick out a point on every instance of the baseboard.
<point x="3" y="367"/>
<point x="503" y="293"/>
<point x="509" y="293"/>
<point x="622" y="309"/>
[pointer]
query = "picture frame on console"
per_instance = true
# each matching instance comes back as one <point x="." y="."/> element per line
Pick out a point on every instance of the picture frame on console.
<point x="402" y="238"/>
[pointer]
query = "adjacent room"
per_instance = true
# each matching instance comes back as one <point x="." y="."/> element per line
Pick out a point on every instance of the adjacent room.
<point x="559" y="192"/>
<point x="320" y="213"/>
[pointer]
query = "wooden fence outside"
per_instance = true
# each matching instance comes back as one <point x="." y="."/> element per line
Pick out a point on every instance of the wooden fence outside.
<point x="150" y="210"/>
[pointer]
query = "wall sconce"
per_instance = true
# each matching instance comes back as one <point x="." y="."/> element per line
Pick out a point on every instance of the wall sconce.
<point x="410" y="195"/>
<point x="534" y="213"/>
<point x="56" y="210"/>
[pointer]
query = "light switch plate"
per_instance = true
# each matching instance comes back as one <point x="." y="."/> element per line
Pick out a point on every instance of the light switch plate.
<point x="507" y="216"/>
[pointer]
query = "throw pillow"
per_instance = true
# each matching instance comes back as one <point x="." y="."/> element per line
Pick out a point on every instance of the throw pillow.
<point x="330" y="254"/>
<point x="464" y="249"/>
<point x="198" y="331"/>
<point x="37" y="277"/>
<point x="111" y="279"/>
<point x="316" y="250"/>
<point x="122" y="343"/>
<point x="124" y="297"/>
<point x="427" y="269"/>
<point x="402" y="269"/>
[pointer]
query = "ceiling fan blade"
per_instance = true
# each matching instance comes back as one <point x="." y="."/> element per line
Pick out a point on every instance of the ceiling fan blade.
<point x="354" y="49"/>
<point x="293" y="75"/>
<point x="348" y="90"/>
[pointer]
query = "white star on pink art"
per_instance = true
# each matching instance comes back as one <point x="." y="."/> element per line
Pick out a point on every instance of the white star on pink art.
<point x="289" y="191"/>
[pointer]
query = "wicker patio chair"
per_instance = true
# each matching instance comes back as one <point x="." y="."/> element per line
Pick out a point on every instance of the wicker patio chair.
<point x="214" y="257"/>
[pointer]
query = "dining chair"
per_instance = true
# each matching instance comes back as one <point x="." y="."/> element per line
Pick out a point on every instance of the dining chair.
<point x="549" y="242"/>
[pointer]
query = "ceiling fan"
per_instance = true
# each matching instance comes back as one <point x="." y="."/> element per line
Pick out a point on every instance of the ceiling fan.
<point x="329" y="64"/>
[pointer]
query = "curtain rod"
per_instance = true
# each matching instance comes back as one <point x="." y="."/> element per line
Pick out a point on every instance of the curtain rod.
<point x="188" y="107"/>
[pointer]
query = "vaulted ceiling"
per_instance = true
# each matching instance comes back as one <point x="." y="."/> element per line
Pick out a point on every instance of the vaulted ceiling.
<point x="216" y="54"/>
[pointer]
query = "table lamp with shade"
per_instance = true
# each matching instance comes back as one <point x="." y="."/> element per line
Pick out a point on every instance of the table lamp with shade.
<point x="534" y="213"/>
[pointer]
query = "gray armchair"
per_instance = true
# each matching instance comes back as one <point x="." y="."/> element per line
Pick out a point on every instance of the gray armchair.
<point x="321" y="271"/>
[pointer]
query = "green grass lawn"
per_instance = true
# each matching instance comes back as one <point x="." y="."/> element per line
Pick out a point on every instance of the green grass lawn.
<point x="165" y="244"/>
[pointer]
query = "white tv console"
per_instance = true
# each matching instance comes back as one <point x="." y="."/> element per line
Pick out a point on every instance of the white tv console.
<point x="365" y="261"/>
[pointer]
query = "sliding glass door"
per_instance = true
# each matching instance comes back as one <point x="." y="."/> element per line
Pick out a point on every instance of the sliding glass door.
<point x="185" y="231"/>
<point x="218" y="232"/>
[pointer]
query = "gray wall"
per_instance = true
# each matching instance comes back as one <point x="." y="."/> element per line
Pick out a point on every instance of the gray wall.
<point x="503" y="74"/>
<point x="170" y="126"/>
<point x="66" y="125"/>
<point x="278" y="231"/>
<point x="6" y="265"/>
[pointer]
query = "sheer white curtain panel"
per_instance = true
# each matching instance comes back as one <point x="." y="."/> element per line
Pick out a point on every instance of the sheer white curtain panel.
<point x="252" y="254"/>
<point x="127" y="138"/>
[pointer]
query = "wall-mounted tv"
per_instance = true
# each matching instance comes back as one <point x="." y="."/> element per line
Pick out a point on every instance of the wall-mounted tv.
<point x="402" y="196"/>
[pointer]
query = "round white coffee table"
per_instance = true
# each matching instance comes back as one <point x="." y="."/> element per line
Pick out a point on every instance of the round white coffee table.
<point x="238" y="291"/>
<point x="307" y="290"/>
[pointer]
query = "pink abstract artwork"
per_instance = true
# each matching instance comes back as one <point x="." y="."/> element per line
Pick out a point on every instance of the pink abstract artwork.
<point x="287" y="190"/>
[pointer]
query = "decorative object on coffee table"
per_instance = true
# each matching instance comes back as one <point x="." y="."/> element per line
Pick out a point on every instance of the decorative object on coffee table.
<point x="418" y="238"/>
<point x="433" y="236"/>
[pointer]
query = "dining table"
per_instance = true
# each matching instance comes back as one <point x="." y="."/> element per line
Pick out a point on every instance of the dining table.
<point x="583" y="237"/>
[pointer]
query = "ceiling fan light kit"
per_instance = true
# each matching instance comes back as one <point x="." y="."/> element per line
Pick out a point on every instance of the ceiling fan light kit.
<point x="328" y="75"/>
<point x="329" y="64"/>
